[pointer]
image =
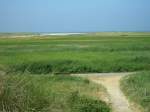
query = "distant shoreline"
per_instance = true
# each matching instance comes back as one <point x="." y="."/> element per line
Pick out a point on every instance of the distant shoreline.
<point x="60" y="34"/>
<point x="47" y="34"/>
<point x="16" y="35"/>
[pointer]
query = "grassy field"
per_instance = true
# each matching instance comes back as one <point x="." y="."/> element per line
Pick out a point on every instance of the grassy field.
<point x="44" y="93"/>
<point x="76" y="54"/>
<point x="137" y="89"/>
<point x="38" y="58"/>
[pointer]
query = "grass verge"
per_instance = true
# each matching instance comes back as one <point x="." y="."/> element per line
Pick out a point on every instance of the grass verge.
<point x="137" y="88"/>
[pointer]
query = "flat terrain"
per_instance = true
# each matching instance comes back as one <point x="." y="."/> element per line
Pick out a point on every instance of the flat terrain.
<point x="104" y="52"/>
<point x="34" y="72"/>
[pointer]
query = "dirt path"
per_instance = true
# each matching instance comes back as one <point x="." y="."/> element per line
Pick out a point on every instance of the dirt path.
<point x="112" y="83"/>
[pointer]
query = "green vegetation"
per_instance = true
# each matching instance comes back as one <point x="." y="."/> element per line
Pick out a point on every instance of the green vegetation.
<point x="58" y="55"/>
<point x="137" y="89"/>
<point x="44" y="93"/>
<point x="76" y="54"/>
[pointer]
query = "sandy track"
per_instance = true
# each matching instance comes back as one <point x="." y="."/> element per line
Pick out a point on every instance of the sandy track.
<point x="112" y="83"/>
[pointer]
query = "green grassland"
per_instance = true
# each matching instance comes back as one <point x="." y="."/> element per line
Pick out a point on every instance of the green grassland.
<point x="38" y="58"/>
<point x="137" y="89"/>
<point x="44" y="93"/>
<point x="76" y="54"/>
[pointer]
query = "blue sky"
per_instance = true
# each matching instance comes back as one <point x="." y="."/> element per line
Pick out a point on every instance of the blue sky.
<point x="74" y="15"/>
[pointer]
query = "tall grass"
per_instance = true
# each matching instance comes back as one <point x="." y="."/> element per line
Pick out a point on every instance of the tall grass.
<point x="84" y="104"/>
<point x="34" y="93"/>
<point x="76" y="66"/>
<point x="137" y="89"/>
<point x="75" y="54"/>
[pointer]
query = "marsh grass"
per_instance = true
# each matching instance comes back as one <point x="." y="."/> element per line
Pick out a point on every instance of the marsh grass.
<point x="44" y="93"/>
<point x="84" y="104"/>
<point x="65" y="54"/>
<point x="71" y="66"/>
<point x="137" y="88"/>
<point x="23" y="59"/>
